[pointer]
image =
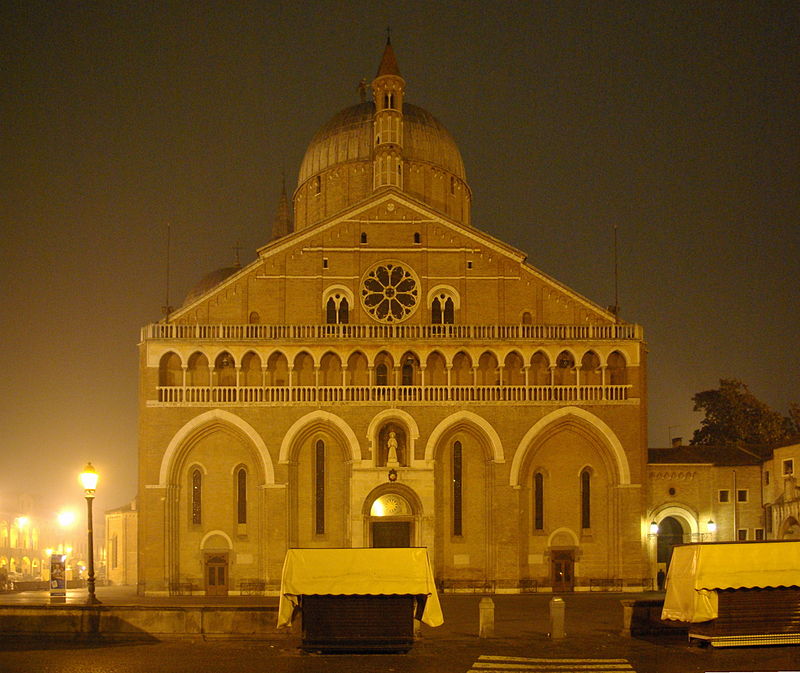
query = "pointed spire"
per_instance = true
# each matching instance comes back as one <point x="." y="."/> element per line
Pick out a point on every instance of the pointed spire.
<point x="388" y="64"/>
<point x="282" y="225"/>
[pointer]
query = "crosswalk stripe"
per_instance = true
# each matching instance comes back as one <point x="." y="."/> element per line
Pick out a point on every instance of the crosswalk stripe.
<point x="570" y="660"/>
<point x="488" y="663"/>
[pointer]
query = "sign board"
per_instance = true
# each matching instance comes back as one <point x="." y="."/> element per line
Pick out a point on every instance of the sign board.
<point x="58" y="578"/>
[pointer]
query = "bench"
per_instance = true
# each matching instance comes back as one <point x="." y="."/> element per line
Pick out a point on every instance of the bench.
<point x="183" y="588"/>
<point x="252" y="586"/>
<point x="605" y="584"/>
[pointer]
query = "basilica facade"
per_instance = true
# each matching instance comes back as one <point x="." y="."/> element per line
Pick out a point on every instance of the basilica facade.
<point x="387" y="374"/>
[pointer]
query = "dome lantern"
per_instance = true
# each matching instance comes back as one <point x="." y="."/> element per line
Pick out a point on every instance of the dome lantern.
<point x="345" y="162"/>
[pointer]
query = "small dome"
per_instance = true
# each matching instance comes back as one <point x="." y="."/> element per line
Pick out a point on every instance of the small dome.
<point x="208" y="282"/>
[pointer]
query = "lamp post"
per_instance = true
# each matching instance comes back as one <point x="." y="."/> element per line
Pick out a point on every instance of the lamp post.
<point x="89" y="481"/>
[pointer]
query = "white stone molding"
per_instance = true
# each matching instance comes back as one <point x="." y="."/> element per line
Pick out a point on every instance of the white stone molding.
<point x="582" y="416"/>
<point x="221" y="533"/>
<point x="326" y="420"/>
<point x="204" y="422"/>
<point x="495" y="446"/>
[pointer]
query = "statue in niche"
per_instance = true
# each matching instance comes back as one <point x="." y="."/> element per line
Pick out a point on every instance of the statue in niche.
<point x="391" y="446"/>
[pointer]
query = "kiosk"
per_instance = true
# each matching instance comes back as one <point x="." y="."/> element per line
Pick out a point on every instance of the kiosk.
<point x="358" y="599"/>
<point x="736" y="593"/>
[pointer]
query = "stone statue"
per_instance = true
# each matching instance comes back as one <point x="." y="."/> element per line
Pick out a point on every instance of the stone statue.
<point x="392" y="445"/>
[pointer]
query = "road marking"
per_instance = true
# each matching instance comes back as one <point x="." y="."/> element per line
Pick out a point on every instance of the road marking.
<point x="488" y="663"/>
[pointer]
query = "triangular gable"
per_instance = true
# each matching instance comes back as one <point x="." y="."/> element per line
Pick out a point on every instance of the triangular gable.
<point x="391" y="205"/>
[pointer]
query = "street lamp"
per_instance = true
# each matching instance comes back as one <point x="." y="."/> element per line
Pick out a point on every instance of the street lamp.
<point x="89" y="481"/>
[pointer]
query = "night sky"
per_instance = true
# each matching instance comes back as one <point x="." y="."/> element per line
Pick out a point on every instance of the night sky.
<point x="675" y="121"/>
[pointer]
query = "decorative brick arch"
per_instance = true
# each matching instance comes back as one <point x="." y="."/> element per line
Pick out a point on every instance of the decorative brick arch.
<point x="466" y="418"/>
<point x="202" y="424"/>
<point x="599" y="428"/>
<point x="323" y="419"/>
<point x="676" y="511"/>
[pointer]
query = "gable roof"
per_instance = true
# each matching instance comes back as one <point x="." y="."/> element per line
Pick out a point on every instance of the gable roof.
<point x="700" y="454"/>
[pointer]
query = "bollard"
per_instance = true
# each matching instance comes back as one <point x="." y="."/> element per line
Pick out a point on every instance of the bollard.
<point x="486" y="609"/>
<point x="556" y="618"/>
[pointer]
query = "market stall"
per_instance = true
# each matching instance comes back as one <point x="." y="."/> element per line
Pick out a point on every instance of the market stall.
<point x="358" y="599"/>
<point x="736" y="593"/>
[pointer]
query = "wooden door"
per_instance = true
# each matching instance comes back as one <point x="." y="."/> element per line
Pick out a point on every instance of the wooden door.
<point x="216" y="574"/>
<point x="563" y="566"/>
<point x="391" y="533"/>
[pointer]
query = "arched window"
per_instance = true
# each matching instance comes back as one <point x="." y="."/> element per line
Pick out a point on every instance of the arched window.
<point x="442" y="309"/>
<point x="197" y="373"/>
<point x="590" y="369"/>
<point x="251" y="369"/>
<point x="319" y="487"/>
<point x="170" y="372"/>
<point x="357" y="369"/>
<point x="225" y="370"/>
<point x="409" y="369"/>
<point x="539" y="373"/>
<point x="197" y="496"/>
<point x="363" y="236"/>
<point x="616" y="371"/>
<point x="381" y="375"/>
<point x="461" y="373"/>
<point x="586" y="499"/>
<point x="330" y="370"/>
<point x="337" y="310"/>
<point x="416" y="237"/>
<point x="513" y="373"/>
<point x="458" y="482"/>
<point x="241" y="495"/>
<point x="538" y="501"/>
<point x="564" y="374"/>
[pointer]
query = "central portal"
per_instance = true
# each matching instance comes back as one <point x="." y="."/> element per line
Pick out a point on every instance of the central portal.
<point x="391" y="521"/>
<point x="391" y="533"/>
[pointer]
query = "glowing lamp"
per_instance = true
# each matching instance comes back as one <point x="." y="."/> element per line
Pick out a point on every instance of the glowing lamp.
<point x="89" y="478"/>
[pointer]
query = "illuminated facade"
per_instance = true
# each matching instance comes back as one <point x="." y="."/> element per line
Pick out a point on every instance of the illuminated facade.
<point x="387" y="374"/>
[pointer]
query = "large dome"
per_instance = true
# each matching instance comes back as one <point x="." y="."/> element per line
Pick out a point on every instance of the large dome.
<point x="348" y="137"/>
<point x="337" y="169"/>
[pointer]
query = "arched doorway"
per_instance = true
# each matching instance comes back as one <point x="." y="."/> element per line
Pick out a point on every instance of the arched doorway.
<point x="790" y="529"/>
<point x="670" y="533"/>
<point x="391" y="521"/>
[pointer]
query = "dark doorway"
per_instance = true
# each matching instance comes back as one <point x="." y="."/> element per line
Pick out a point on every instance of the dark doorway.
<point x="216" y="574"/>
<point x="391" y="533"/>
<point x="563" y="568"/>
<point x="670" y="533"/>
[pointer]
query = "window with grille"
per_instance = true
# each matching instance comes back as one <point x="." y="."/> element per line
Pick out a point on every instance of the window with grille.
<point x="458" y="528"/>
<point x="319" y="487"/>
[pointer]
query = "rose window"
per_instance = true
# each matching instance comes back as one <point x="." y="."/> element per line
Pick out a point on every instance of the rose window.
<point x="389" y="292"/>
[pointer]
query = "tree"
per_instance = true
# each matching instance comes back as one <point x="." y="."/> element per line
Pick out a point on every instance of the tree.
<point x="733" y="415"/>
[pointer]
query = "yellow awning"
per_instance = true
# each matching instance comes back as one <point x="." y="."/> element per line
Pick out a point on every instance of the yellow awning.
<point x="697" y="571"/>
<point x="358" y="572"/>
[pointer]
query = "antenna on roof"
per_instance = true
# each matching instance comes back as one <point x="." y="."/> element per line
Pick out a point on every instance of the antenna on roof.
<point x="236" y="249"/>
<point x="388" y="34"/>
<point x="615" y="308"/>
<point x="166" y="309"/>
